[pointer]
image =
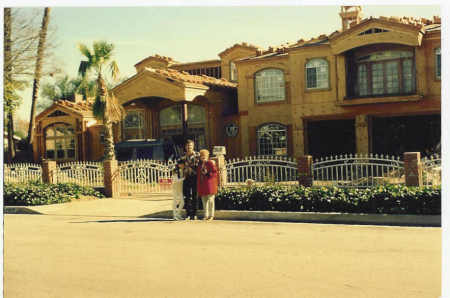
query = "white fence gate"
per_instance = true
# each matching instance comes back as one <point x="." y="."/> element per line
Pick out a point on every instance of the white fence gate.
<point x="263" y="168"/>
<point x="431" y="170"/>
<point x="22" y="172"/>
<point x="85" y="173"/>
<point x="145" y="176"/>
<point x="358" y="170"/>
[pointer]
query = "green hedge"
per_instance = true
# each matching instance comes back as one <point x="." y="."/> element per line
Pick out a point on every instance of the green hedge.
<point x="37" y="193"/>
<point x="390" y="199"/>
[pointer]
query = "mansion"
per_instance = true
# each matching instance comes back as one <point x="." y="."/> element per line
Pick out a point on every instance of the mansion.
<point x="374" y="86"/>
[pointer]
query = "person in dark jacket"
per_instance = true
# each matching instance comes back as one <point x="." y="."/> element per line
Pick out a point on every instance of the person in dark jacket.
<point x="188" y="163"/>
<point x="207" y="183"/>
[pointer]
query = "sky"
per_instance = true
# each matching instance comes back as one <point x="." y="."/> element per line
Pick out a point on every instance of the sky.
<point x="190" y="34"/>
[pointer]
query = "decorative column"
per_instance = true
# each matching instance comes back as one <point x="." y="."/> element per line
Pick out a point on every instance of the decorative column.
<point x="413" y="168"/>
<point x="219" y="159"/>
<point x="362" y="134"/>
<point x="48" y="171"/>
<point x="305" y="174"/>
<point x="111" y="178"/>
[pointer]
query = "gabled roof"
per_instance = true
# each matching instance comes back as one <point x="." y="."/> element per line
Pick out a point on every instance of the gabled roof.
<point x="424" y="25"/>
<point x="237" y="45"/>
<point x="83" y="108"/>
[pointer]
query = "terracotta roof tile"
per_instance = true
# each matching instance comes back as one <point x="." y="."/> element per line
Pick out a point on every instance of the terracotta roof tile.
<point x="183" y="76"/>
<point x="83" y="107"/>
<point x="243" y="44"/>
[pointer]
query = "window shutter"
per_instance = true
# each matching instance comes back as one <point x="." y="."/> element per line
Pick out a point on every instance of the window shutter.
<point x="290" y="143"/>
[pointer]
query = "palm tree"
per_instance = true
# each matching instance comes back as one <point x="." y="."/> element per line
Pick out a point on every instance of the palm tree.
<point x="106" y="106"/>
<point x="37" y="71"/>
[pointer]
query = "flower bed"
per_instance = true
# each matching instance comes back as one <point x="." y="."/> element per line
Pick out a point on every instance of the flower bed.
<point x="390" y="199"/>
<point x="37" y="193"/>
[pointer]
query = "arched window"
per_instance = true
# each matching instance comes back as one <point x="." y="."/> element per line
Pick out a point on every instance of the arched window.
<point x="437" y="53"/>
<point x="272" y="139"/>
<point x="317" y="74"/>
<point x="269" y="85"/>
<point x="133" y="125"/>
<point x="233" y="72"/>
<point x="60" y="142"/>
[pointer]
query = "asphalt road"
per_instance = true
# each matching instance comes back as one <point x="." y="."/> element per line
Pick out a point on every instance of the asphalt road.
<point x="73" y="256"/>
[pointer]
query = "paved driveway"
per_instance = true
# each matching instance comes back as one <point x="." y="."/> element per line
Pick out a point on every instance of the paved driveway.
<point x="81" y="256"/>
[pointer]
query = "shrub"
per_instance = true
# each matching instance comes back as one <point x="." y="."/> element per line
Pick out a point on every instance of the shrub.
<point x="38" y="193"/>
<point x="388" y="199"/>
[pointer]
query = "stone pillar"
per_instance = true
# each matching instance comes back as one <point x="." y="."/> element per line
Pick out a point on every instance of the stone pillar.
<point x="298" y="138"/>
<point x="111" y="178"/>
<point x="413" y="169"/>
<point x="48" y="171"/>
<point x="219" y="159"/>
<point x="305" y="175"/>
<point x="222" y="170"/>
<point x="362" y="134"/>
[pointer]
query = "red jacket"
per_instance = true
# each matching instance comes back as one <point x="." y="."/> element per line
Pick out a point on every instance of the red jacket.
<point x="207" y="183"/>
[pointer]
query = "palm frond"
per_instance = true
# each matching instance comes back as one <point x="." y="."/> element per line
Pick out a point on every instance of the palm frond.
<point x="114" y="110"/>
<point x="85" y="51"/>
<point x="114" y="70"/>
<point x="99" y="107"/>
<point x="83" y="68"/>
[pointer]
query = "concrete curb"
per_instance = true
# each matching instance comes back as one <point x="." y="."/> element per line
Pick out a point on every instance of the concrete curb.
<point x="284" y="216"/>
<point x="312" y="217"/>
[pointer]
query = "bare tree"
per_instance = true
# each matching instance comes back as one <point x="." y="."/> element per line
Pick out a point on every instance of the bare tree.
<point x="21" y="39"/>
<point x="37" y="72"/>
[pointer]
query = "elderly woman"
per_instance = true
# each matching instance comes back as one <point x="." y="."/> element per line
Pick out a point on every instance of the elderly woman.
<point x="207" y="183"/>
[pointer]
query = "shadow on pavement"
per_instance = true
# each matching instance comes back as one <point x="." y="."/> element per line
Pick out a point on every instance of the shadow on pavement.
<point x="123" y="220"/>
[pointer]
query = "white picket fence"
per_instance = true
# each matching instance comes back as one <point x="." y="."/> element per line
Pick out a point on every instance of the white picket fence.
<point x="358" y="170"/>
<point x="431" y="170"/>
<point x="145" y="176"/>
<point x="21" y="172"/>
<point x="85" y="173"/>
<point x="263" y="168"/>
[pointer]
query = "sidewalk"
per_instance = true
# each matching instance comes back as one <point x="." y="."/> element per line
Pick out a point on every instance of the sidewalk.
<point x="161" y="207"/>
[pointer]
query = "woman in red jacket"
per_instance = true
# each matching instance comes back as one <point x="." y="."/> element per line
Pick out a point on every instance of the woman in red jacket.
<point x="207" y="183"/>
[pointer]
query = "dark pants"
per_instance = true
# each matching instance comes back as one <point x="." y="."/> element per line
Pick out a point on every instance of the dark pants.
<point x="190" y="196"/>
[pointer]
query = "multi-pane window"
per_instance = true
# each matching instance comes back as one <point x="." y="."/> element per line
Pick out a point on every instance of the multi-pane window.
<point x="60" y="142"/>
<point x="233" y="72"/>
<point x="272" y="139"/>
<point x="133" y="125"/>
<point x="170" y="120"/>
<point x="438" y="63"/>
<point x="269" y="85"/>
<point x="385" y="73"/>
<point x="317" y="74"/>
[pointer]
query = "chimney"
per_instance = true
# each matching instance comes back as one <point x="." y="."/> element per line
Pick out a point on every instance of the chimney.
<point x="350" y="14"/>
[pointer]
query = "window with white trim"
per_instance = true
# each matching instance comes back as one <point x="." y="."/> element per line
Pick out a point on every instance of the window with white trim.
<point x="269" y="85"/>
<point x="60" y="142"/>
<point x="437" y="53"/>
<point x="317" y="74"/>
<point x="272" y="139"/>
<point x="133" y="125"/>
